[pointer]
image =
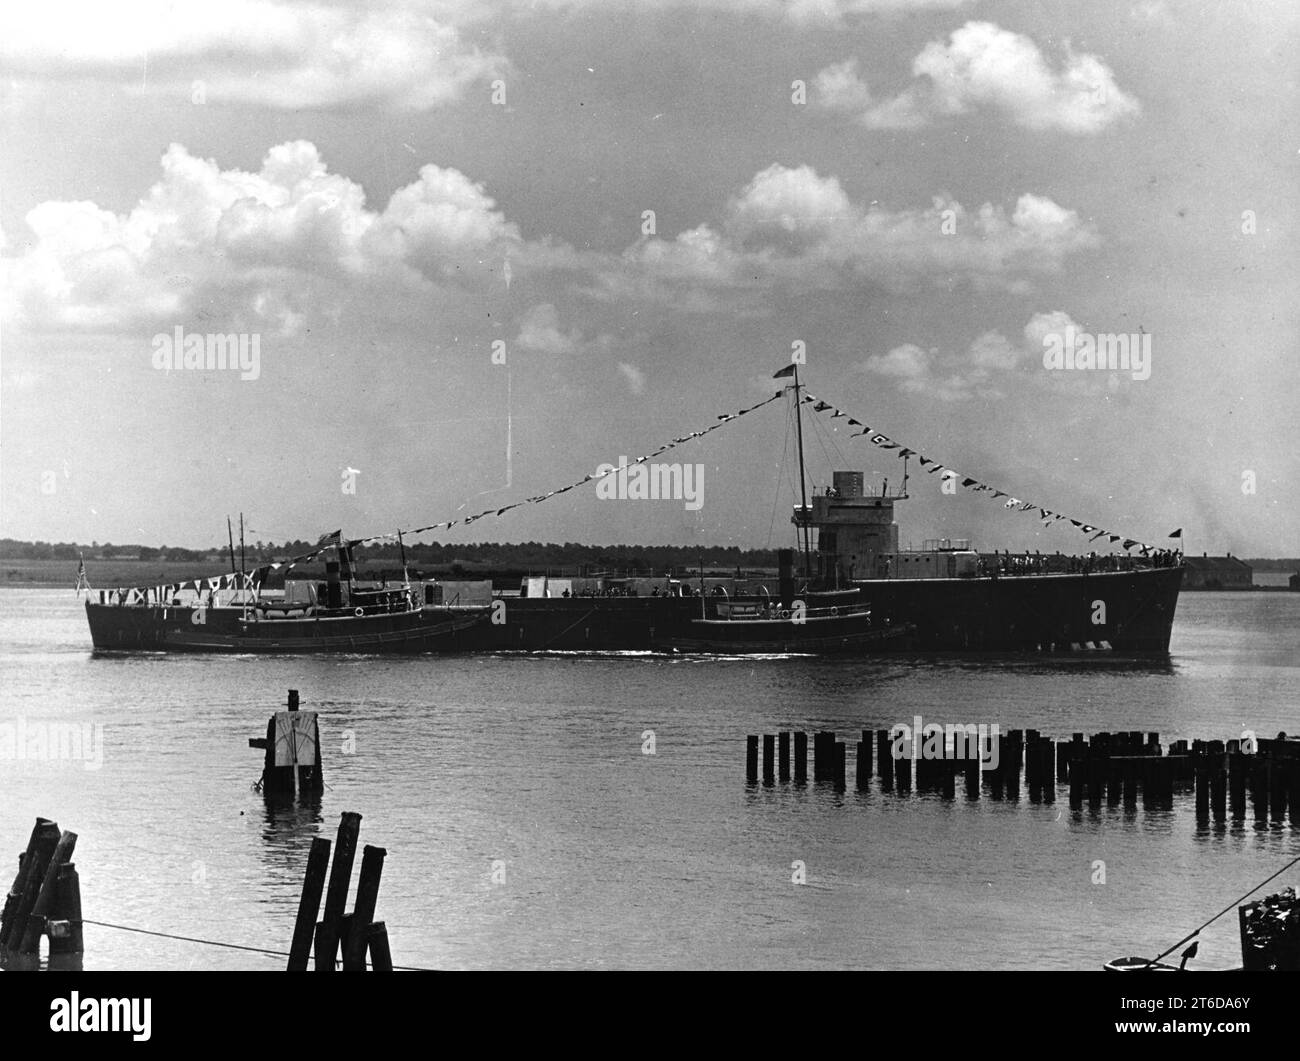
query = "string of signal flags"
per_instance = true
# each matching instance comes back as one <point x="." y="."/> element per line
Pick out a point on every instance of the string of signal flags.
<point x="817" y="405"/>
<point x="933" y="467"/>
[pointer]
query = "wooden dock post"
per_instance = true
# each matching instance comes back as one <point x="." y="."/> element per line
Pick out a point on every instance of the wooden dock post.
<point x="381" y="960"/>
<point x="885" y="754"/>
<point x="1202" y="789"/>
<point x="1218" y="787"/>
<point x="840" y="752"/>
<point x="67" y="908"/>
<point x="751" y="759"/>
<point x="1097" y="767"/>
<point x="25" y="862"/>
<point x="1259" y="787"/>
<point x="309" y="905"/>
<point x="769" y="758"/>
<point x="1114" y="781"/>
<point x="868" y="740"/>
<point x="971" y="768"/>
<point x="801" y="758"/>
<point x="862" y="766"/>
<point x="783" y="756"/>
<point x="903" y="769"/>
<point x="29" y="940"/>
<point x="31" y="876"/>
<point x="1237" y="770"/>
<point x="363" y="914"/>
<point x="329" y="928"/>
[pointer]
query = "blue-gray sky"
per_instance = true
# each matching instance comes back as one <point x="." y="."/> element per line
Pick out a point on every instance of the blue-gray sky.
<point x="920" y="191"/>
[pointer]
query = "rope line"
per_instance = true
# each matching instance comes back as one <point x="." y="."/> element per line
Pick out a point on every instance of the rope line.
<point x="230" y="946"/>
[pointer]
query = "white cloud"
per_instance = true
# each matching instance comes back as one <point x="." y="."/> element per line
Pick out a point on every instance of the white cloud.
<point x="983" y="65"/>
<point x="906" y="362"/>
<point x="264" y="245"/>
<point x="540" y="332"/>
<point x="269" y="52"/>
<point x="793" y="228"/>
<point x="634" y="377"/>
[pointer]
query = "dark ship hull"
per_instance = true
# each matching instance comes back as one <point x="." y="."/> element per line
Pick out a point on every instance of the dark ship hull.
<point x="1028" y="613"/>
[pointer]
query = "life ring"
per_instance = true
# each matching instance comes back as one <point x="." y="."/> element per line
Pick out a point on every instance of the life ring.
<point x="359" y="612"/>
<point x="784" y="613"/>
<point x="834" y="610"/>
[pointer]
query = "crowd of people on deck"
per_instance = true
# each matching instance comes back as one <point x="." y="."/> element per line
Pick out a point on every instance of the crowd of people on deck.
<point x="1008" y="565"/>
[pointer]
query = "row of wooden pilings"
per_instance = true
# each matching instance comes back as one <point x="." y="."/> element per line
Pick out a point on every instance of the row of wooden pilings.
<point x="1109" y="768"/>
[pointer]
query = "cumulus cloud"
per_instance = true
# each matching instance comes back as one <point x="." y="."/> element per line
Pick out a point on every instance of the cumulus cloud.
<point x="265" y="244"/>
<point x="983" y="65"/>
<point x="268" y="52"/>
<point x="633" y="376"/>
<point x="794" y="228"/>
<point x="987" y="365"/>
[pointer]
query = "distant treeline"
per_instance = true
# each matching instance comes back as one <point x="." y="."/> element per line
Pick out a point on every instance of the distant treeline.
<point x="536" y="556"/>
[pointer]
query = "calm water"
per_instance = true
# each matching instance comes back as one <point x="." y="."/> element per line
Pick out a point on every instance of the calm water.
<point x="614" y="858"/>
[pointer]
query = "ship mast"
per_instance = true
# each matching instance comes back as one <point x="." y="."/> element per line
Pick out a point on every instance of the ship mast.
<point x="803" y="490"/>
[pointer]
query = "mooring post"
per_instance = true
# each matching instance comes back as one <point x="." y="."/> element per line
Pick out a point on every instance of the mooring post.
<point x="841" y="756"/>
<point x="903" y="768"/>
<point x="800" y="758"/>
<point x="313" y="885"/>
<point x="1048" y="751"/>
<point x="971" y="765"/>
<point x="1238" y="763"/>
<point x="1259" y="787"/>
<point x="885" y="754"/>
<point x="769" y="758"/>
<point x="869" y="740"/>
<point x="15" y="893"/>
<point x="1219" y="788"/>
<point x="1202" y="768"/>
<point x="354" y="943"/>
<point x="35" y="865"/>
<point x="1114" y="782"/>
<point x="862" y="766"/>
<point x="67" y="907"/>
<point x="783" y="756"/>
<point x="381" y="959"/>
<point x="751" y="758"/>
<point x="30" y="942"/>
<point x="336" y="896"/>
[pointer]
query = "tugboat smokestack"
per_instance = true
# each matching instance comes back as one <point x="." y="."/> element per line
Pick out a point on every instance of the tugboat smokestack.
<point x="785" y="568"/>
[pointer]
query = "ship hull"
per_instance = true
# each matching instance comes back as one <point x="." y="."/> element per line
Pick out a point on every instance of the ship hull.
<point x="1129" y="612"/>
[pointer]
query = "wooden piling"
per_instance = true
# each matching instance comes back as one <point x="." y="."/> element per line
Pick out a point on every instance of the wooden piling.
<point x="868" y="739"/>
<point x="1202" y="769"/>
<point x="885" y="753"/>
<point x="381" y="960"/>
<point x="1277" y="785"/>
<point x="903" y="771"/>
<point x="15" y="893"/>
<point x="783" y="756"/>
<point x="30" y="939"/>
<point x="1238" y="764"/>
<point x="1259" y="787"/>
<point x="309" y="905"/>
<point x="840" y="752"/>
<point x="751" y="759"/>
<point x="801" y="758"/>
<point x="356" y="939"/>
<point x="67" y="907"/>
<point x="862" y="766"/>
<point x="1114" y="782"/>
<point x="1218" y="788"/>
<point x="328" y="930"/>
<point x="35" y="865"/>
<point x="769" y="758"/>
